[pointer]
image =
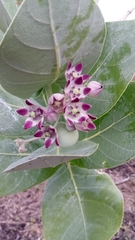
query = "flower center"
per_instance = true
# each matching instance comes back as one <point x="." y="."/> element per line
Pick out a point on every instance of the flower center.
<point x="47" y="134"/>
<point x="76" y="91"/>
<point x="74" y="111"/>
<point x="75" y="74"/>
<point x="32" y="114"/>
<point x="57" y="104"/>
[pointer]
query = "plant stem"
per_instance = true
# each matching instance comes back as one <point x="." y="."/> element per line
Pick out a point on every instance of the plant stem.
<point x="127" y="13"/>
<point x="48" y="90"/>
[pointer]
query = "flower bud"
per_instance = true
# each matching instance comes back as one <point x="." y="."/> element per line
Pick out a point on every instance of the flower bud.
<point x="95" y="87"/>
<point x="66" y="138"/>
<point x="50" y="115"/>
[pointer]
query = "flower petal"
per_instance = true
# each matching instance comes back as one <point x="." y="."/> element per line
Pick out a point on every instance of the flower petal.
<point x="85" y="77"/>
<point x="23" y="111"/>
<point x="38" y="134"/>
<point x="91" y="116"/>
<point x="78" y="67"/>
<point x="86" y="91"/>
<point x="78" y="81"/>
<point x="69" y="66"/>
<point x="48" y="142"/>
<point x="91" y="126"/>
<point x="86" y="106"/>
<point x="29" y="124"/>
<point x="56" y="141"/>
<point x="29" y="103"/>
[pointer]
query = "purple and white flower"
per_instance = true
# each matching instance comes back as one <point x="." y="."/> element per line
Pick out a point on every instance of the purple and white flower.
<point x="34" y="114"/>
<point x="86" y="124"/>
<point x="75" y="89"/>
<point x="76" y="112"/>
<point x="69" y="104"/>
<point x="74" y="72"/>
<point x="50" y="134"/>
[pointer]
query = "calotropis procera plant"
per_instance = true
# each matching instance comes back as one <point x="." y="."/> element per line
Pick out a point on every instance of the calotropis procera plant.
<point x="64" y="122"/>
<point x="66" y="104"/>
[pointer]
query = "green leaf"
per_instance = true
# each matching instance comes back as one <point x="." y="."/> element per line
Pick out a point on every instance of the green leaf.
<point x="4" y="17"/>
<point x="11" y="128"/>
<point x="115" y="135"/>
<point x="11" y="7"/>
<point x="1" y="35"/>
<point x="115" y="67"/>
<point x="43" y="37"/>
<point x="53" y="156"/>
<point x="81" y="204"/>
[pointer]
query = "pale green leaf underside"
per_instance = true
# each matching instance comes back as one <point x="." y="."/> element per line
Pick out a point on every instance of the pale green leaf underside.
<point x="43" y="37"/>
<point x="115" y="134"/>
<point x="51" y="157"/>
<point x="116" y="65"/>
<point x="11" y="127"/>
<point x="11" y="7"/>
<point x="1" y="35"/>
<point x="81" y="204"/>
<point x="11" y="183"/>
<point x="4" y="18"/>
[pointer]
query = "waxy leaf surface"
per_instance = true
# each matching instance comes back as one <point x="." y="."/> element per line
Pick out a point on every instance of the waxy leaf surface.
<point x="11" y="128"/>
<point x="81" y="204"/>
<point x="115" y="134"/>
<point x="44" y="158"/>
<point x="4" y="17"/>
<point x="1" y="35"/>
<point x="43" y="37"/>
<point x="115" y="67"/>
<point x="11" y="6"/>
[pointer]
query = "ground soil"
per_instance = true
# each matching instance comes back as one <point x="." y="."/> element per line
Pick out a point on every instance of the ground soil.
<point x="124" y="178"/>
<point x="20" y="214"/>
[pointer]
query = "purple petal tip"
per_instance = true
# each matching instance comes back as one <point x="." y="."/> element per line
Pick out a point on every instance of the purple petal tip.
<point x="48" y="143"/>
<point x="28" y="124"/>
<point x="79" y="81"/>
<point x="22" y="111"/>
<point x="78" y="67"/>
<point x="38" y="134"/>
<point x="86" y="106"/>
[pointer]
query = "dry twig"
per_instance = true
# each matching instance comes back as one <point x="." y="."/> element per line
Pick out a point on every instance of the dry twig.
<point x="125" y="180"/>
<point x="127" y="13"/>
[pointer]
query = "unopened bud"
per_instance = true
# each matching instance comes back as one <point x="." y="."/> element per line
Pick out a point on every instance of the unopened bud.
<point x="95" y="87"/>
<point x="66" y="138"/>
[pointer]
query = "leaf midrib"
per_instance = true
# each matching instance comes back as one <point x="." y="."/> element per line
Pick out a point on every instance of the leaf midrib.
<point x="107" y="128"/>
<point x="78" y="196"/>
<point x="56" y="45"/>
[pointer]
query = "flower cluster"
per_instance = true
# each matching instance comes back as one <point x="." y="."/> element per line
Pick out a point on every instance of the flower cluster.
<point x="69" y="104"/>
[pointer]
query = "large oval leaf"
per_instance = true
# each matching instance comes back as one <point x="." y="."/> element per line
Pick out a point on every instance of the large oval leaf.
<point x="4" y="17"/>
<point x="115" y="134"/>
<point x="11" y="128"/>
<point x="44" y="158"/>
<point x="81" y="204"/>
<point x="11" y="6"/>
<point x="43" y="37"/>
<point x="1" y="35"/>
<point x="115" y="67"/>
